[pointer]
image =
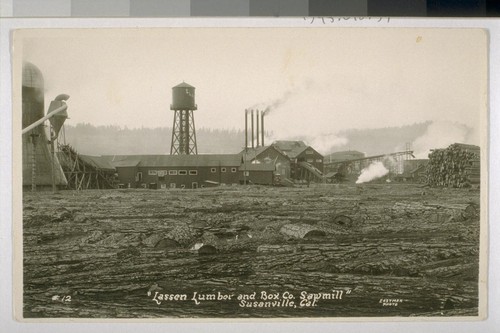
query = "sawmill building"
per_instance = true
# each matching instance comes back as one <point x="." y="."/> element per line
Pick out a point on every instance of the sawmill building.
<point x="270" y="155"/>
<point x="306" y="162"/>
<point x="179" y="171"/>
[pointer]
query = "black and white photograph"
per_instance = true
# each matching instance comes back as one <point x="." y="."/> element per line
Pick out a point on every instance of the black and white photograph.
<point x="251" y="173"/>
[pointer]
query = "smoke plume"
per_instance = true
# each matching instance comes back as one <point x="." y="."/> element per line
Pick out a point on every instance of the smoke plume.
<point x="373" y="171"/>
<point x="276" y="103"/>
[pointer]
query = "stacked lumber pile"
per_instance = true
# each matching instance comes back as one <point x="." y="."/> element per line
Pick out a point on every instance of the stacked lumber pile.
<point x="456" y="166"/>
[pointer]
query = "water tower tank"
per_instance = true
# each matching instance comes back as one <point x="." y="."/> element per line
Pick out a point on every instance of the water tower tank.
<point x="183" y="97"/>
<point x="32" y="94"/>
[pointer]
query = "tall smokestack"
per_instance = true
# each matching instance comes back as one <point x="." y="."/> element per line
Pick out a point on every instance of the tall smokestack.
<point x="246" y="129"/>
<point x="262" y="126"/>
<point x="253" y="145"/>
<point x="257" y="130"/>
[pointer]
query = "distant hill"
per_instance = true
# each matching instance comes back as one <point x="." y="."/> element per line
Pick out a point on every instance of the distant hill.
<point x="109" y="140"/>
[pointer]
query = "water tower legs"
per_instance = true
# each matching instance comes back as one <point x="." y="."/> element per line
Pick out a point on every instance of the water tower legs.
<point x="183" y="134"/>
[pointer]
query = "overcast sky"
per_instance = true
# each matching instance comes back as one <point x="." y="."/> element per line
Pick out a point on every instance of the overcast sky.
<point x="322" y="79"/>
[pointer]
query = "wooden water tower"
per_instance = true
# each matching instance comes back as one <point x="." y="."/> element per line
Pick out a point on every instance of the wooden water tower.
<point x="183" y="130"/>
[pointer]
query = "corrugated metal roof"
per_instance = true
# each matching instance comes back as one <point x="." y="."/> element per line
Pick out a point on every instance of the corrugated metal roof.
<point x="286" y="145"/>
<point x="253" y="153"/>
<point x="175" y="160"/>
<point x="122" y="160"/>
<point x="291" y="148"/>
<point x="344" y="155"/>
<point x="98" y="161"/>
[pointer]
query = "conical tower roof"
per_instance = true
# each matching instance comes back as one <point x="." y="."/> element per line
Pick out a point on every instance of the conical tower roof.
<point x="32" y="76"/>
<point x="183" y="85"/>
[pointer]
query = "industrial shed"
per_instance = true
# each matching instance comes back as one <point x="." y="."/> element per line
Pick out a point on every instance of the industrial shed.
<point x="259" y="174"/>
<point x="346" y="155"/>
<point x="414" y="170"/>
<point x="306" y="162"/>
<point x="176" y="171"/>
<point x="269" y="155"/>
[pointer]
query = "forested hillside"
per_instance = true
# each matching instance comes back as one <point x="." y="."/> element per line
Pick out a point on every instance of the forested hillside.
<point x="109" y="140"/>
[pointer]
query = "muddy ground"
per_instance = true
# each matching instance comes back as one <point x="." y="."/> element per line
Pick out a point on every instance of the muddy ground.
<point x="377" y="250"/>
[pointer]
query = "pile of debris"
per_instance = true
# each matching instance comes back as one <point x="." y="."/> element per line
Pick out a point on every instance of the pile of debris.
<point x="456" y="166"/>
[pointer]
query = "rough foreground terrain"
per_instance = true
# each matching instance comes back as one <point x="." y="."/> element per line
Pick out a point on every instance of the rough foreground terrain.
<point x="380" y="250"/>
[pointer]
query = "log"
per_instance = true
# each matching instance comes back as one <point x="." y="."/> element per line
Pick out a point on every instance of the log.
<point x="278" y="248"/>
<point x="440" y="212"/>
<point x="301" y="231"/>
<point x="167" y="243"/>
<point x="182" y="233"/>
<point x="207" y="244"/>
<point x="342" y="220"/>
<point x="411" y="257"/>
<point x="152" y="240"/>
<point x="207" y="249"/>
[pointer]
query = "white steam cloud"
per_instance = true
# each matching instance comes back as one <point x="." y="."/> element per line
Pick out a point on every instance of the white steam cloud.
<point x="441" y="134"/>
<point x="326" y="143"/>
<point x="373" y="171"/>
<point x="323" y="143"/>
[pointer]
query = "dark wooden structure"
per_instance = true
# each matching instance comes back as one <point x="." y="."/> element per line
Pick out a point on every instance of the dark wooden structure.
<point x="85" y="172"/>
<point x="306" y="163"/>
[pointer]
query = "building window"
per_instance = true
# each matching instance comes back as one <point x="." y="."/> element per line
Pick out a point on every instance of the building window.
<point x="310" y="160"/>
<point x="172" y="185"/>
<point x="213" y="170"/>
<point x="152" y="172"/>
<point x="246" y="173"/>
<point x="193" y="172"/>
<point x="222" y="169"/>
<point x="182" y="172"/>
<point x="309" y="152"/>
<point x="172" y="172"/>
<point x="233" y="169"/>
<point x="138" y="177"/>
<point x="144" y="185"/>
<point x="161" y="173"/>
<point x="319" y="160"/>
<point x="163" y="186"/>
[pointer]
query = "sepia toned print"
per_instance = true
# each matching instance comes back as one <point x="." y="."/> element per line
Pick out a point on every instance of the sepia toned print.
<point x="184" y="173"/>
